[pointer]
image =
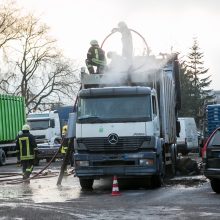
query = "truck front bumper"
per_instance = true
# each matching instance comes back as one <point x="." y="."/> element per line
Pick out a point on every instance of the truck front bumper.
<point x="47" y="151"/>
<point x="120" y="165"/>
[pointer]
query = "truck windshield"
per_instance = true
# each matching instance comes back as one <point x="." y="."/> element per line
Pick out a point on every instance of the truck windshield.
<point x="114" y="109"/>
<point x="38" y="124"/>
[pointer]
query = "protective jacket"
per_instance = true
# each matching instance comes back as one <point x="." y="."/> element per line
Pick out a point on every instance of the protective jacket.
<point x="64" y="146"/>
<point x="25" y="145"/>
<point x="65" y="140"/>
<point x="96" y="56"/>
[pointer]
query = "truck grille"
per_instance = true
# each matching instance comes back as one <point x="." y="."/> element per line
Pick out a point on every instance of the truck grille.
<point x="39" y="136"/>
<point x="124" y="143"/>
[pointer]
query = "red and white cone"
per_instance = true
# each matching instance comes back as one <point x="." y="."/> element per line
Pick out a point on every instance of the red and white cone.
<point x="115" y="189"/>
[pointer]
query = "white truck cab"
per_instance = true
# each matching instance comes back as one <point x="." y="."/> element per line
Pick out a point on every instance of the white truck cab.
<point x="45" y="126"/>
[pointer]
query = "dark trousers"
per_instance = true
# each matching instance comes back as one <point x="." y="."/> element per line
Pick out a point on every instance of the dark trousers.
<point x="90" y="64"/>
<point x="27" y="168"/>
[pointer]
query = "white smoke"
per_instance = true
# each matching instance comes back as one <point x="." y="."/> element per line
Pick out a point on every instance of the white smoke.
<point x="142" y="67"/>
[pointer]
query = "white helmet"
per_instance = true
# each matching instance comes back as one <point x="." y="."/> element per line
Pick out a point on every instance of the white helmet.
<point x="94" y="42"/>
<point x="26" y="127"/>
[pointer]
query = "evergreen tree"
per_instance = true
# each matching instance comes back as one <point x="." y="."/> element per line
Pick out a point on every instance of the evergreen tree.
<point x="194" y="85"/>
<point x="185" y="92"/>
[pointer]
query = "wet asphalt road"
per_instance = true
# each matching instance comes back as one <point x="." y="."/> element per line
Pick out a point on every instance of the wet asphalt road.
<point x="180" y="198"/>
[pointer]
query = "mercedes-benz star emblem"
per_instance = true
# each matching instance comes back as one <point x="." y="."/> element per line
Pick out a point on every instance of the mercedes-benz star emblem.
<point x="113" y="138"/>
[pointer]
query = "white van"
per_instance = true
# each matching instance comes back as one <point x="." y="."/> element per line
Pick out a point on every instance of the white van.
<point x="188" y="137"/>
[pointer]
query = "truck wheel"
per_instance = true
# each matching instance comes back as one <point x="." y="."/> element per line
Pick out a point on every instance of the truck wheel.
<point x="171" y="168"/>
<point x="215" y="184"/>
<point x="86" y="184"/>
<point x="2" y="157"/>
<point x="156" y="181"/>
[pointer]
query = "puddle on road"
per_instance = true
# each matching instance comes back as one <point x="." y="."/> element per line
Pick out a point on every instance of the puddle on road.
<point x="187" y="181"/>
<point x="42" y="190"/>
<point x="46" y="190"/>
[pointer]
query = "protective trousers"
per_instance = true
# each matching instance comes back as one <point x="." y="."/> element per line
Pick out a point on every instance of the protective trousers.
<point x="100" y="67"/>
<point x="27" y="168"/>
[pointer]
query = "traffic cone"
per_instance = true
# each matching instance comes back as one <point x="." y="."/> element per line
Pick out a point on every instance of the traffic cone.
<point x="115" y="189"/>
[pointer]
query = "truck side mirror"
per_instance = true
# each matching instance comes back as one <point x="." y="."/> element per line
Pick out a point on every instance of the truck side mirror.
<point x="52" y="123"/>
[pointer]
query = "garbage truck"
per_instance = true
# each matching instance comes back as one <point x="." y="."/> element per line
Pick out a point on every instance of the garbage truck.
<point x="12" y="118"/>
<point x="126" y="122"/>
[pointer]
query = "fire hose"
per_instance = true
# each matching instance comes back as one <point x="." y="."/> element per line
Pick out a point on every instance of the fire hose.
<point x="38" y="173"/>
<point x="17" y="180"/>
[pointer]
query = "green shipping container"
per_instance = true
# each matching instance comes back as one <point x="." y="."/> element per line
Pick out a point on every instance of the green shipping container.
<point x="12" y="117"/>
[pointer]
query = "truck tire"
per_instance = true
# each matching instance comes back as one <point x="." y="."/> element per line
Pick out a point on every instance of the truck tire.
<point x="215" y="184"/>
<point x="171" y="168"/>
<point x="2" y="157"/>
<point x="174" y="158"/>
<point x="156" y="181"/>
<point x="86" y="184"/>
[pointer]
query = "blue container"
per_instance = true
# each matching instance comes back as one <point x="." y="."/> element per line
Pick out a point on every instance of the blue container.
<point x="63" y="112"/>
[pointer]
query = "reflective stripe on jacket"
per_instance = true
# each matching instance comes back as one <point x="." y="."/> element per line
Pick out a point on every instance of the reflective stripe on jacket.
<point x="96" y="55"/>
<point x="25" y="145"/>
<point x="64" y="149"/>
<point x="64" y="146"/>
<point x="25" y="151"/>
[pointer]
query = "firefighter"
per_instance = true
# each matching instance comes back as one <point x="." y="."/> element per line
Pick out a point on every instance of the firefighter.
<point x="127" y="43"/>
<point x="25" y="147"/>
<point x="64" y="144"/>
<point x="18" y="155"/>
<point x="65" y="140"/>
<point x="95" y="57"/>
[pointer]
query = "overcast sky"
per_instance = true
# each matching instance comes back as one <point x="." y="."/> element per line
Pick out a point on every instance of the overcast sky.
<point x="163" y="24"/>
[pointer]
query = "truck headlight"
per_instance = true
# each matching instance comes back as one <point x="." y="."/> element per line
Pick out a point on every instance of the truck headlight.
<point x="146" y="162"/>
<point x="82" y="163"/>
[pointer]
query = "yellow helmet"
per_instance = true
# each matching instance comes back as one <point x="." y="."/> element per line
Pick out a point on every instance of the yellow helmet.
<point x="64" y="130"/>
<point x="26" y="127"/>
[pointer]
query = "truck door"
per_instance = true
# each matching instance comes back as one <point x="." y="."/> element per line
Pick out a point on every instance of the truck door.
<point x="155" y="116"/>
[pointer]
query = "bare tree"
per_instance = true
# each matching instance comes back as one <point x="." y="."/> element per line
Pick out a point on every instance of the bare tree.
<point x="9" y="23"/>
<point x="42" y="74"/>
<point x="9" y="30"/>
